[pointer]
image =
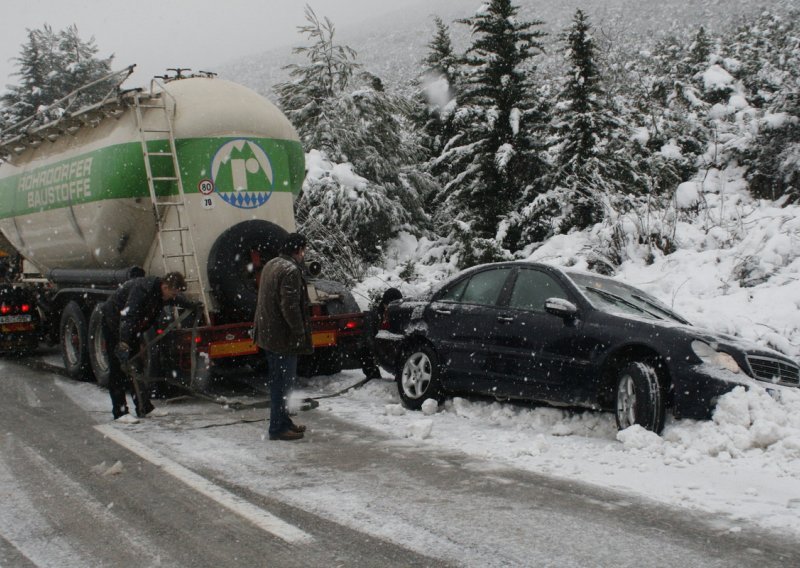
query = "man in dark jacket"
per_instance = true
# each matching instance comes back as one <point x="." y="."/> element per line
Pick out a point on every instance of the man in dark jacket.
<point x="127" y="314"/>
<point x="282" y="327"/>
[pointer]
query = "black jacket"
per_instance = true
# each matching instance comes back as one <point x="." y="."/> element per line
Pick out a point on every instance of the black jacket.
<point x="134" y="308"/>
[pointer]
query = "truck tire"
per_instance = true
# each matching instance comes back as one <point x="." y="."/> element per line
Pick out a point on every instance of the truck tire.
<point x="99" y="357"/>
<point x="74" y="336"/>
<point x="230" y="266"/>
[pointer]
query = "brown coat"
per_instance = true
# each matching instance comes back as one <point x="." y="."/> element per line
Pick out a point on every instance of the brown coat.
<point x="282" y="321"/>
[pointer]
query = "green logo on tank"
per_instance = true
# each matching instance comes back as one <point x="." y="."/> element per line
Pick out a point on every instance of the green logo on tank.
<point x="242" y="173"/>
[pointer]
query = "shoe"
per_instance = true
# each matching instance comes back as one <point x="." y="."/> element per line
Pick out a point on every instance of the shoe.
<point x="298" y="428"/>
<point x="286" y="436"/>
<point x="148" y="408"/>
<point x="116" y="412"/>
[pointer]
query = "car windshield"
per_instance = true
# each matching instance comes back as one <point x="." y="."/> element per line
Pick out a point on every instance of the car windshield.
<point x="614" y="297"/>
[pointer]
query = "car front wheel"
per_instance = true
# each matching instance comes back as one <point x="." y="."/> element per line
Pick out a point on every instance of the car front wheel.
<point x="640" y="398"/>
<point x="418" y="379"/>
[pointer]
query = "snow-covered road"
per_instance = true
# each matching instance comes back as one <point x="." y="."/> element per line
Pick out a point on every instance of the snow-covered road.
<point x="487" y="483"/>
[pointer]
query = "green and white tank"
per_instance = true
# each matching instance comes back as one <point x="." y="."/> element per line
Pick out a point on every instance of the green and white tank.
<point x="80" y="198"/>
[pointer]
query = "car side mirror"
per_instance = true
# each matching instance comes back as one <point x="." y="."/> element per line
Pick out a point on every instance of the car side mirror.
<point x="561" y="308"/>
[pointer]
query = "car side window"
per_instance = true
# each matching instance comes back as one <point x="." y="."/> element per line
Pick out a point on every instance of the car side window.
<point x="453" y="293"/>
<point x="532" y="288"/>
<point x="484" y="287"/>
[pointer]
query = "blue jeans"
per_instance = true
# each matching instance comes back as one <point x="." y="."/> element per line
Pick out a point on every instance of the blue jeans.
<point x="281" y="371"/>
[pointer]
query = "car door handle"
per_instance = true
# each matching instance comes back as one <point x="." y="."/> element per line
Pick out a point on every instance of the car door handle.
<point x="505" y="319"/>
<point x="443" y="311"/>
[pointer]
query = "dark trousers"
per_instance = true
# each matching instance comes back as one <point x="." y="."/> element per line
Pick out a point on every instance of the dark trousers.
<point x="281" y="371"/>
<point x="119" y="383"/>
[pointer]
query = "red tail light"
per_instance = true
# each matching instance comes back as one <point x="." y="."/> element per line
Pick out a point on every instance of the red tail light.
<point x="4" y="309"/>
<point x="198" y="339"/>
<point x="25" y="308"/>
<point x="352" y="324"/>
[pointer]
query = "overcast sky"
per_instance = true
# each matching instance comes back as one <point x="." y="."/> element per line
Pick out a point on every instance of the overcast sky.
<point x="156" y="34"/>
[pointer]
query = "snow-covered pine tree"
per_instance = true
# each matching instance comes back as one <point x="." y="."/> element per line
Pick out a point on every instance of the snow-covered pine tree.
<point x="359" y="186"/>
<point x="591" y="163"/>
<point x="767" y="50"/>
<point x="438" y="90"/>
<point x="52" y="65"/>
<point x="496" y="153"/>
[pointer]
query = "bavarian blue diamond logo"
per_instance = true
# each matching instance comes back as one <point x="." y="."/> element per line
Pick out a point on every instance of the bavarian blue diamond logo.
<point x="242" y="174"/>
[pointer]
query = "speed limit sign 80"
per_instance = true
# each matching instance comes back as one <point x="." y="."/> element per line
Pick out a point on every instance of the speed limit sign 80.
<point x="206" y="186"/>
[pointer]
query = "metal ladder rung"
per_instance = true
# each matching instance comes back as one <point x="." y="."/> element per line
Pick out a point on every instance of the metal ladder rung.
<point x="166" y="222"/>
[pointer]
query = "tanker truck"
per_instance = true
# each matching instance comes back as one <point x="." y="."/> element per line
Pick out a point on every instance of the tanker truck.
<point x="195" y="174"/>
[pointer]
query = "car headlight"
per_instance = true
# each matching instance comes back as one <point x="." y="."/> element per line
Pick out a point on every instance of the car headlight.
<point x="711" y="356"/>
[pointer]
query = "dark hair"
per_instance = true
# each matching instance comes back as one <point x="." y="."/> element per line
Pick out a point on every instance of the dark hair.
<point x="390" y="295"/>
<point x="175" y="280"/>
<point x="293" y="243"/>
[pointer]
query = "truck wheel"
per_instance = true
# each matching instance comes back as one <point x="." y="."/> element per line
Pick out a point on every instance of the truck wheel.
<point x="75" y="342"/>
<point x="231" y="270"/>
<point x="99" y="357"/>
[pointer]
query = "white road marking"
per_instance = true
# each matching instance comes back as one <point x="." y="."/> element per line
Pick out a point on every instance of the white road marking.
<point x="259" y="517"/>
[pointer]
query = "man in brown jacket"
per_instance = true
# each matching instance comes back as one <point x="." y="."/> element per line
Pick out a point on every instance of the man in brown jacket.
<point x="282" y="328"/>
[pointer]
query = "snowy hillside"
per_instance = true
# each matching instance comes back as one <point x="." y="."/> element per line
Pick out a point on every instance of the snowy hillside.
<point x="391" y="47"/>
<point x="736" y="270"/>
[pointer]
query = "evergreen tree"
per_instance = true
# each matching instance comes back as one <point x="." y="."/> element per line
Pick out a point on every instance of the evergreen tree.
<point x="52" y="65"/>
<point x="590" y="159"/>
<point x="438" y="89"/>
<point x="700" y="50"/>
<point x="496" y="154"/>
<point x="768" y="50"/>
<point x="363" y="188"/>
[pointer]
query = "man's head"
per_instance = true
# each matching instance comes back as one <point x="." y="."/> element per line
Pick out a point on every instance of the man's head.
<point x="295" y="246"/>
<point x="171" y="285"/>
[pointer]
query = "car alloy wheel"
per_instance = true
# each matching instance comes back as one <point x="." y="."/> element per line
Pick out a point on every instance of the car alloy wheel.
<point x="640" y="397"/>
<point x="626" y="402"/>
<point x="416" y="375"/>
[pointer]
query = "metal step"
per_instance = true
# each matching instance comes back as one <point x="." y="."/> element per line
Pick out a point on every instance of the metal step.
<point x="178" y="223"/>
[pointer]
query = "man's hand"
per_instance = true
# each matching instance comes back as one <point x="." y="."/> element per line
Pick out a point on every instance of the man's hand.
<point x="123" y="352"/>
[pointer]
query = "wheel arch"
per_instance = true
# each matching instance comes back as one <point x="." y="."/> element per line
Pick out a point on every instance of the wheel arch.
<point x="630" y="353"/>
<point x="412" y="342"/>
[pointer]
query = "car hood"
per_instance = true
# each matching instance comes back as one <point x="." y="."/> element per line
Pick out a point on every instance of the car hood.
<point x="720" y="341"/>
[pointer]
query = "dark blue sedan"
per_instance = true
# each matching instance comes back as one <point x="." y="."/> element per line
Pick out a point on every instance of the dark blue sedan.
<point x="530" y="331"/>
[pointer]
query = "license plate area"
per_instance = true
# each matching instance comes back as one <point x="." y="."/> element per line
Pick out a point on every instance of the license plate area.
<point x="15" y="319"/>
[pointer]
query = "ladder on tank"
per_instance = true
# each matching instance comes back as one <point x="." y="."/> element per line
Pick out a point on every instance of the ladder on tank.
<point x="175" y="239"/>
